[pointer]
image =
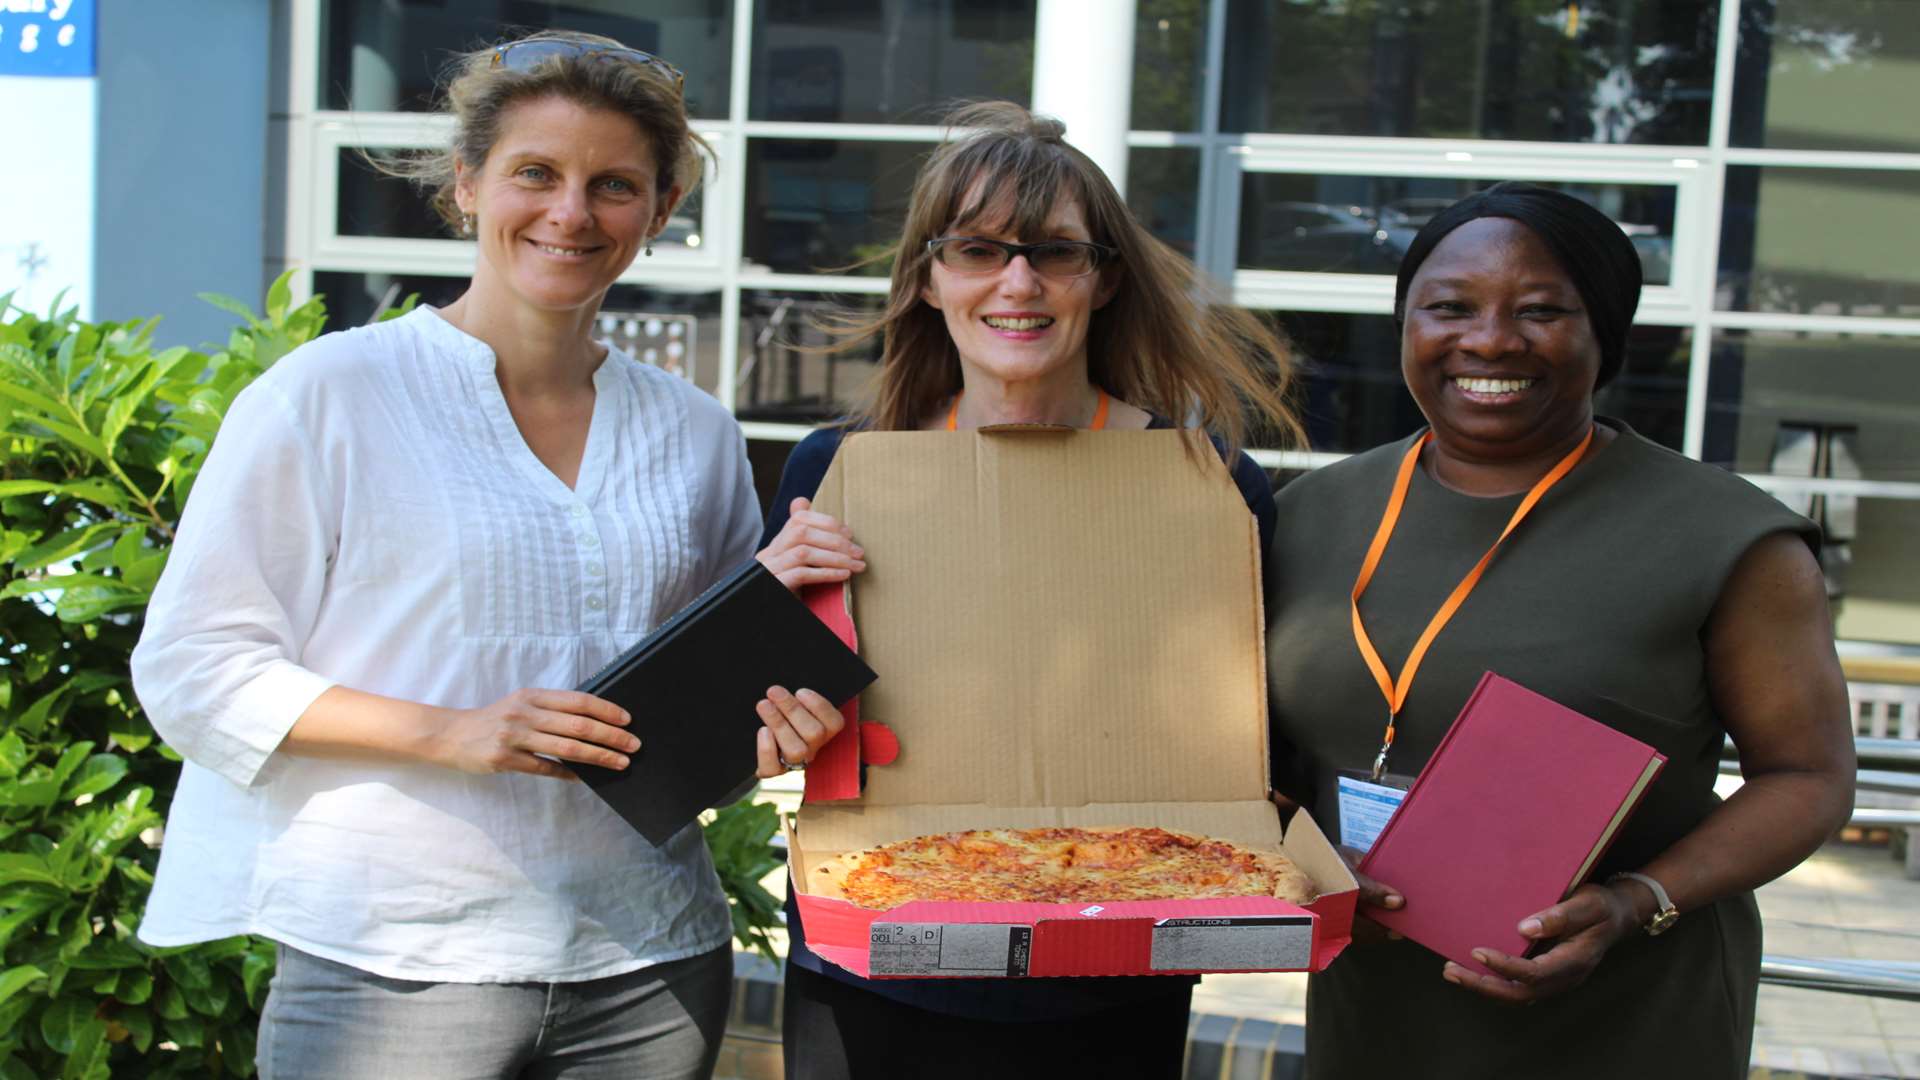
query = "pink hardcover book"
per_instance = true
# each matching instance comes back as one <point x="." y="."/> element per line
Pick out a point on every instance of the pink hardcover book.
<point x="1519" y="801"/>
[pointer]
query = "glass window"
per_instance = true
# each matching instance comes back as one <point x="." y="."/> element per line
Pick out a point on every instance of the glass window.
<point x="785" y="374"/>
<point x="385" y="57"/>
<point x="1831" y="407"/>
<point x="1163" y="190"/>
<point x="823" y="205"/>
<point x="371" y="204"/>
<point x="1352" y="398"/>
<point x="1827" y="74"/>
<point x="1605" y="71"/>
<point x="1873" y="570"/>
<point x="1820" y="241"/>
<point x="887" y="61"/>
<point x="678" y="331"/>
<point x="1364" y="224"/>
<point x="1773" y="397"/>
<point x="1169" y="65"/>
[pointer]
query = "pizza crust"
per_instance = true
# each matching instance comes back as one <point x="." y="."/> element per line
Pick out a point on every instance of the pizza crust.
<point x="1053" y="865"/>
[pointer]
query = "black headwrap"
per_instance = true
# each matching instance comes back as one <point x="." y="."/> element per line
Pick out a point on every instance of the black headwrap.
<point x="1593" y="250"/>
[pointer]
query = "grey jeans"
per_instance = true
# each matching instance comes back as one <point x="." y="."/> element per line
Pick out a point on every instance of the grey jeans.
<point x="331" y="1021"/>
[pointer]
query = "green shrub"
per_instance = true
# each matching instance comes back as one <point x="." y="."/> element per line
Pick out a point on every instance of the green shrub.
<point x="101" y="438"/>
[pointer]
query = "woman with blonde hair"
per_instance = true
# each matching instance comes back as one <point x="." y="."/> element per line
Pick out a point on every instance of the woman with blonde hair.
<point x="409" y="538"/>
<point x="1023" y="291"/>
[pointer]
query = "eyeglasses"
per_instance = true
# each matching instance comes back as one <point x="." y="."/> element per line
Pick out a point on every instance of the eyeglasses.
<point x="527" y="54"/>
<point x="1053" y="258"/>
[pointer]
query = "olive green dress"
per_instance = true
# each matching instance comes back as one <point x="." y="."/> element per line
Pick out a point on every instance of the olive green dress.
<point x="1598" y="601"/>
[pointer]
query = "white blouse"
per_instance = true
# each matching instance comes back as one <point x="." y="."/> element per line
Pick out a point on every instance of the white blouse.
<point x="370" y="516"/>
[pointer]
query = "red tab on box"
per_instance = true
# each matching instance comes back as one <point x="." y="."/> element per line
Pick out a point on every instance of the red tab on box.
<point x="834" y="772"/>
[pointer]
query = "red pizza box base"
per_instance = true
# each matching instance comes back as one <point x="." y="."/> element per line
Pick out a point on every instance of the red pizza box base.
<point x="930" y="939"/>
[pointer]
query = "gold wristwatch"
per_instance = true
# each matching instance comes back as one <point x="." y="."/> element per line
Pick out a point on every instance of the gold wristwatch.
<point x="1664" y="918"/>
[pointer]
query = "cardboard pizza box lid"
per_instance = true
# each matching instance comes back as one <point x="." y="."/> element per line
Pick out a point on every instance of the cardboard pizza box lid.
<point x="1060" y="618"/>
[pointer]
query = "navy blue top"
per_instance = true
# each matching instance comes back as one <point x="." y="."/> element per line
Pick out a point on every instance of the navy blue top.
<point x="989" y="999"/>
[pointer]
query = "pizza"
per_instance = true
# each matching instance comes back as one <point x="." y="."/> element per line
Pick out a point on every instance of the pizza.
<point x="1057" y="865"/>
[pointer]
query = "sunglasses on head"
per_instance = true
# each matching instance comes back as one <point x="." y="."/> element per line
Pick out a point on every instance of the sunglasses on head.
<point x="1053" y="258"/>
<point x="527" y="54"/>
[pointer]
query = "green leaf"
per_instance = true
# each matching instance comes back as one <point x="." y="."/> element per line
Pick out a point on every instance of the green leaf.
<point x="229" y="305"/>
<point x="238" y="1050"/>
<point x="169" y="1003"/>
<point x="190" y="970"/>
<point x="63" y="545"/>
<point x="139" y="1025"/>
<point x="78" y="437"/>
<point x="20" y="866"/>
<point x="40" y="403"/>
<point x="186" y="1030"/>
<point x="70" y="760"/>
<point x="107" y="953"/>
<point x="29" y="909"/>
<point x="62" y="1019"/>
<point x="88" y="1058"/>
<point x="17" y="979"/>
<point x="279" y="296"/>
<point x="13" y="751"/>
<point x="34" y="719"/>
<point x="100" y="772"/>
<point x="255" y="973"/>
<point x="135" y="987"/>
<point x="210" y="1000"/>
<point x="130" y="732"/>
<point x="16" y="1069"/>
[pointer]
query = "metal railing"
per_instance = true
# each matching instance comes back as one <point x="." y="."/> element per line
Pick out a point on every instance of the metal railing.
<point x="1888" y="766"/>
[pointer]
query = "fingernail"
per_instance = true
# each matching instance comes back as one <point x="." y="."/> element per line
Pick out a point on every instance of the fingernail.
<point x="626" y="717"/>
<point x="624" y="761"/>
<point x="859" y="552"/>
<point x="1393" y="900"/>
<point x="635" y="748"/>
<point x="1451" y="974"/>
<point x="1530" y="927"/>
<point x="1480" y="955"/>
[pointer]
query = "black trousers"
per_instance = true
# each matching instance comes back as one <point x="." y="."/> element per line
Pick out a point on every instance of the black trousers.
<point x="835" y="1031"/>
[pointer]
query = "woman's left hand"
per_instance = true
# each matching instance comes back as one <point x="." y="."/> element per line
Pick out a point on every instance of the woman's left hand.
<point x="797" y="726"/>
<point x="1581" y="929"/>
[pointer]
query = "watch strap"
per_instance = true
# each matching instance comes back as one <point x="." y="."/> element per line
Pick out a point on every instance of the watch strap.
<point x="1667" y="913"/>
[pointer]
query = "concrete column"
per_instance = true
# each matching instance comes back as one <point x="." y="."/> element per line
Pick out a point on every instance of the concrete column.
<point x="1083" y="74"/>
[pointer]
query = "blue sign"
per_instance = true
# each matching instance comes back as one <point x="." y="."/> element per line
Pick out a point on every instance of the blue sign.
<point x="47" y="37"/>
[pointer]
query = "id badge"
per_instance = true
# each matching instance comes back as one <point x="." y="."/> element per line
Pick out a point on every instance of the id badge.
<point x="1366" y="806"/>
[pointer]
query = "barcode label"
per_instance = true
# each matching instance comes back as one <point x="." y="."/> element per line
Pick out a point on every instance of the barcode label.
<point x="1272" y="943"/>
<point x="974" y="950"/>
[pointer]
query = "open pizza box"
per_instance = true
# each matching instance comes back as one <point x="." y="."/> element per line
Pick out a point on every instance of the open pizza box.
<point x="1068" y="631"/>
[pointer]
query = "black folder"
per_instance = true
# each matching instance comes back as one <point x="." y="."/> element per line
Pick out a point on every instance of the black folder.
<point x="691" y="687"/>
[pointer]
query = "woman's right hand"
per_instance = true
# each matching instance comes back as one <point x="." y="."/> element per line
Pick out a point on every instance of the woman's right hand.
<point x="812" y="549"/>
<point x="1372" y="894"/>
<point x="511" y="734"/>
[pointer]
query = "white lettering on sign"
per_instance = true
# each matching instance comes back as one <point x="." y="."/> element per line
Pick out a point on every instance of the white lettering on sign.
<point x="30" y="37"/>
<point x="37" y="7"/>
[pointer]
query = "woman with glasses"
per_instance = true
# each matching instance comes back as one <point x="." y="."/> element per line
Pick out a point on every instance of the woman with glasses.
<point x="1024" y="291"/>
<point x="411" y="538"/>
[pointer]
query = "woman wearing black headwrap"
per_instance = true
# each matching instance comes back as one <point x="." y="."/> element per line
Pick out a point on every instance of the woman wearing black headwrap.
<point x="1665" y="598"/>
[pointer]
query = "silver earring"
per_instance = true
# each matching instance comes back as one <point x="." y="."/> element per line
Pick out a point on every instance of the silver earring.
<point x="466" y="224"/>
<point x="649" y="248"/>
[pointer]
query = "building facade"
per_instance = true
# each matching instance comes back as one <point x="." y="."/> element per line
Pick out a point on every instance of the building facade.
<point x="1762" y="155"/>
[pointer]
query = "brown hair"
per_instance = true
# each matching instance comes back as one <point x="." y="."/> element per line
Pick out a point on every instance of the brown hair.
<point x="478" y="95"/>
<point x="1166" y="341"/>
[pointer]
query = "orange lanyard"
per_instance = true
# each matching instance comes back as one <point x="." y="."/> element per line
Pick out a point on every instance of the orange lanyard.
<point x="1099" y="413"/>
<point x="1396" y="693"/>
